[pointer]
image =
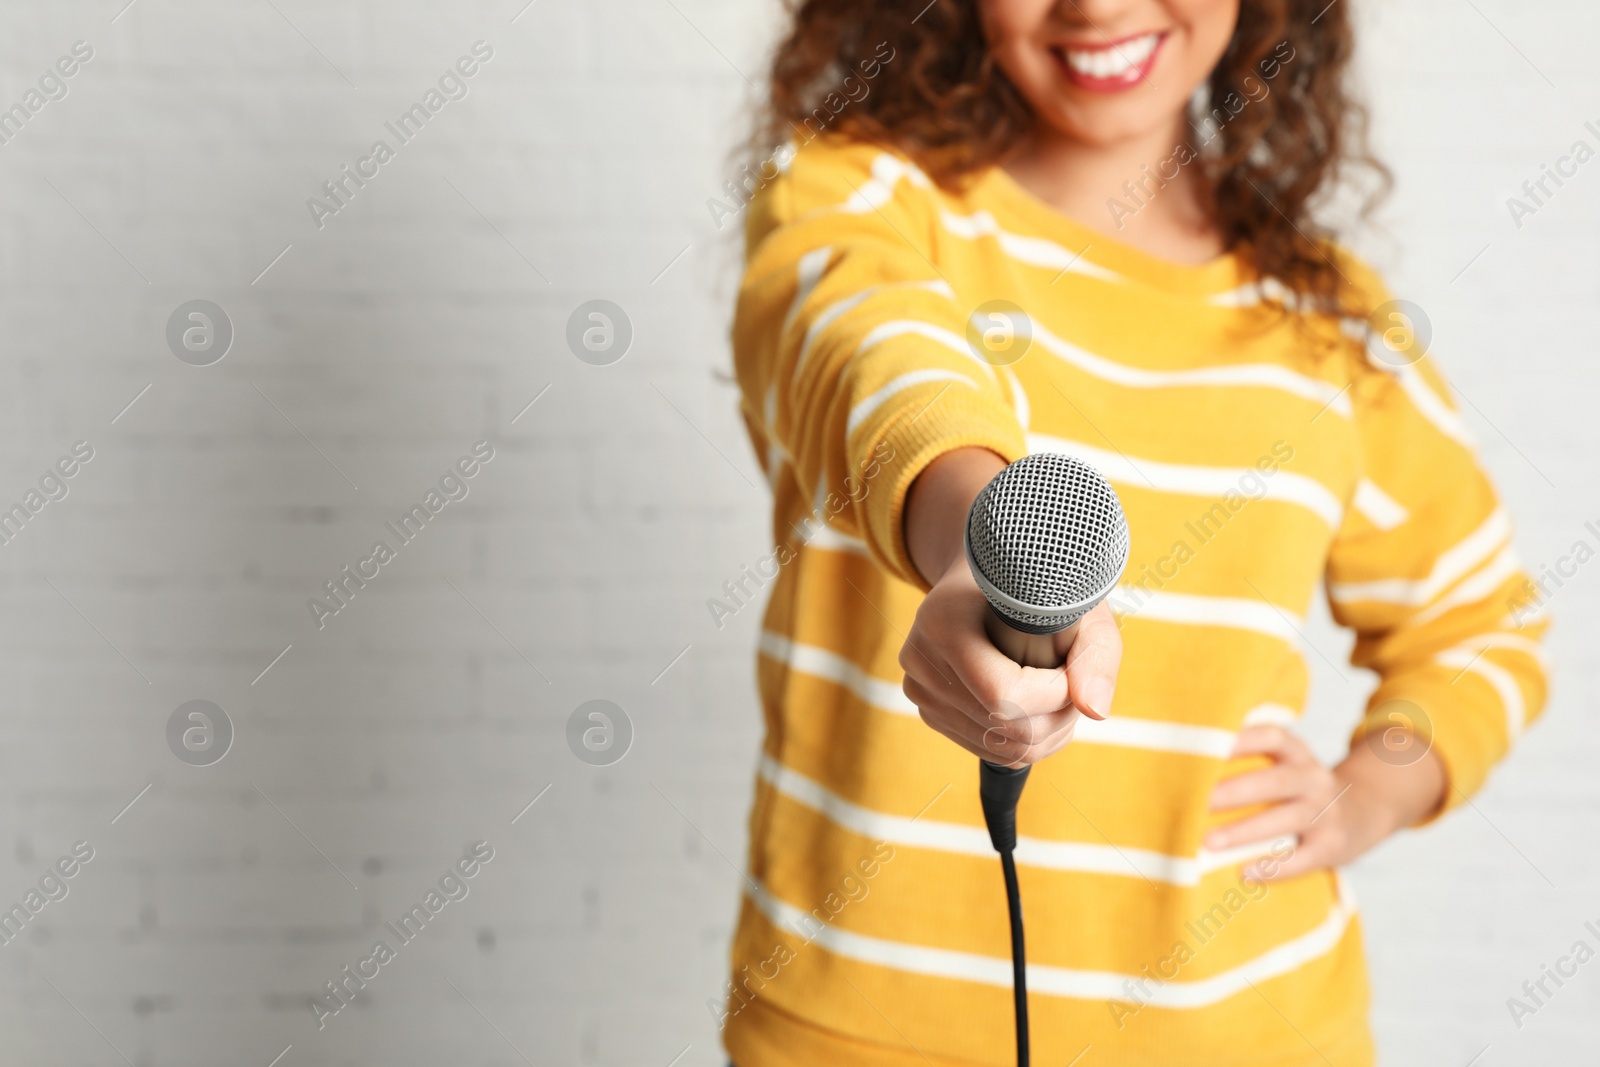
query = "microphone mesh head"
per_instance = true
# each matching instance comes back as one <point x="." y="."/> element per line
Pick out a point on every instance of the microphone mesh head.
<point x="1047" y="541"/>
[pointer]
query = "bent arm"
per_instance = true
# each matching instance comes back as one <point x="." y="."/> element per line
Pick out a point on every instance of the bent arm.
<point x="1432" y="586"/>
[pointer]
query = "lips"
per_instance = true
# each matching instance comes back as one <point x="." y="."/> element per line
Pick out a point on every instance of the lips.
<point x="1111" y="67"/>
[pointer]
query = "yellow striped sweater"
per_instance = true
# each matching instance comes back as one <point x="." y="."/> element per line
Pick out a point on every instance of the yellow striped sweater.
<point x="873" y="930"/>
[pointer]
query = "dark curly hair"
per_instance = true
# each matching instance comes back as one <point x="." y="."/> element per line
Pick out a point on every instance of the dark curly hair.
<point x="946" y="104"/>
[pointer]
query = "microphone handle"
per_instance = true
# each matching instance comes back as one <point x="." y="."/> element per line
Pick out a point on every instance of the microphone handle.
<point x="999" y="786"/>
<point x="1030" y="650"/>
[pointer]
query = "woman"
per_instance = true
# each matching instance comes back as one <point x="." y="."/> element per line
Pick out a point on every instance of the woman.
<point x="1011" y="226"/>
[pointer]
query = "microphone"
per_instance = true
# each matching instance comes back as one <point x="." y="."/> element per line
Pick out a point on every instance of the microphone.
<point x="1046" y="541"/>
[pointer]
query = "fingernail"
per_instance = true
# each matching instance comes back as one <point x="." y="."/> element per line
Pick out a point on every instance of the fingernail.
<point x="1095" y="699"/>
<point x="1216" y="839"/>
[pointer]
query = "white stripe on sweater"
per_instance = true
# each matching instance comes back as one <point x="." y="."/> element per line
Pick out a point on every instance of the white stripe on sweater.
<point x="1237" y="613"/>
<point x="820" y="535"/>
<point x="1019" y="400"/>
<point x="1256" y="375"/>
<point x="959" y="839"/>
<point x="1034" y="251"/>
<point x="1271" y="715"/>
<point x="810" y="271"/>
<point x="834" y="311"/>
<point x="832" y="667"/>
<point x="1509" y="642"/>
<point x="1252" y="293"/>
<point x="886" y="331"/>
<point x="1153" y="735"/>
<point x="1480" y="584"/>
<point x="1211" y="482"/>
<point x="1463" y="558"/>
<point x="1108" y="986"/>
<point x="1499" y="679"/>
<point x="1432" y="408"/>
<point x="812" y="267"/>
<point x="910" y="380"/>
<point x="888" y="170"/>
<point x="1427" y="403"/>
<point x="1378" y="507"/>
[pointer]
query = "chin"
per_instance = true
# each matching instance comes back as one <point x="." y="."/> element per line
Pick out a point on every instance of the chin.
<point x="1104" y="123"/>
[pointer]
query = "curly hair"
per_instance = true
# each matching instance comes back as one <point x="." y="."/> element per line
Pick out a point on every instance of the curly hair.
<point x="948" y="106"/>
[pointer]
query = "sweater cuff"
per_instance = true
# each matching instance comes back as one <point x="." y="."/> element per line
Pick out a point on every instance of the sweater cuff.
<point x="906" y="448"/>
<point x="1408" y="718"/>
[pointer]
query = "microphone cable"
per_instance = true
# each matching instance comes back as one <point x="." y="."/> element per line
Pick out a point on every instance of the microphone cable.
<point x="999" y="788"/>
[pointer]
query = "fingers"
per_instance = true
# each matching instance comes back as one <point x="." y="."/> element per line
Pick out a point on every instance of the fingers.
<point x="1270" y="867"/>
<point x="1280" y="782"/>
<point x="1000" y="738"/>
<point x="1280" y="821"/>
<point x="918" y="660"/>
<point x="1296" y="785"/>
<point x="1030" y="694"/>
<point x="1093" y="661"/>
<point x="995" y="681"/>
<point x="1050" y="734"/>
<point x="1312" y="854"/>
<point x="949" y="652"/>
<point x="946" y="647"/>
<point x="939" y="686"/>
<point x="971" y="692"/>
<point x="1039" y="691"/>
<point x="1274" y="741"/>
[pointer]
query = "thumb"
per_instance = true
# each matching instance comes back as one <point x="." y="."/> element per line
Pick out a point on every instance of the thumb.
<point x="1092" y="663"/>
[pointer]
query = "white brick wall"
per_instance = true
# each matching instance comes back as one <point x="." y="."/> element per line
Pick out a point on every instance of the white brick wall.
<point x="408" y="328"/>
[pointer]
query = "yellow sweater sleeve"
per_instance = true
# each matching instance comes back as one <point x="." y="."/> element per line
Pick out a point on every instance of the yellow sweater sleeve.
<point x="1423" y="570"/>
<point x="849" y="346"/>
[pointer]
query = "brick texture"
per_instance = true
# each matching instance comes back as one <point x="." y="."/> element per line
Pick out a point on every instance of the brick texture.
<point x="421" y="318"/>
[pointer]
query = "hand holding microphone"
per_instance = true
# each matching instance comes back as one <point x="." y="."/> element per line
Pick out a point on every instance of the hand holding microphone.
<point x="992" y="689"/>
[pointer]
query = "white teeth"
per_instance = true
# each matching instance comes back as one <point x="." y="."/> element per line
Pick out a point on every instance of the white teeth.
<point x="1111" y="62"/>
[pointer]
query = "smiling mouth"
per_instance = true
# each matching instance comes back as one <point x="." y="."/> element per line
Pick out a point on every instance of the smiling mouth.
<point x="1111" y="67"/>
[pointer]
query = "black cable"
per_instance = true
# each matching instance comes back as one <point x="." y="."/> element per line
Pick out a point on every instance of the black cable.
<point x="999" y="789"/>
<point x="1019" y="958"/>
